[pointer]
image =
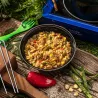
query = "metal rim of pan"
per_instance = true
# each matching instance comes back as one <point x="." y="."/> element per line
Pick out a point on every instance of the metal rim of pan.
<point x="63" y="2"/>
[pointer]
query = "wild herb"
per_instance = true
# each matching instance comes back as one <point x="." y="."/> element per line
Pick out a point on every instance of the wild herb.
<point x="22" y="9"/>
<point x="4" y="3"/>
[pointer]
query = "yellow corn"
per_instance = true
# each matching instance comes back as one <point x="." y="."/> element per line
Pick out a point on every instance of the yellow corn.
<point x="67" y="86"/>
<point x="75" y="86"/>
<point x="63" y="62"/>
<point x="51" y="55"/>
<point x="49" y="67"/>
<point x="41" y="65"/>
<point x="76" y="93"/>
<point x="71" y="89"/>
<point x="79" y="90"/>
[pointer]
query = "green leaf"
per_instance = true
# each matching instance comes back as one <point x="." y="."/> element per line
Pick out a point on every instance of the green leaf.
<point x="4" y="2"/>
<point x="24" y="9"/>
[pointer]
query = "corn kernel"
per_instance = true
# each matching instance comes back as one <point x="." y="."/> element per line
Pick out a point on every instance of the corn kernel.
<point x="52" y="45"/>
<point x="71" y="89"/>
<point x="76" y="93"/>
<point x="53" y="59"/>
<point x="79" y="90"/>
<point x="64" y="38"/>
<point x="49" y="67"/>
<point x="63" y="62"/>
<point x="51" y="55"/>
<point x="67" y="86"/>
<point x="41" y="66"/>
<point x="75" y="86"/>
<point x="45" y="67"/>
<point x="55" y="66"/>
<point x="58" y="64"/>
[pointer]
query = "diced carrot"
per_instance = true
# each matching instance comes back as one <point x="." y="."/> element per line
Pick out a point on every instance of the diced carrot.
<point x="60" y="48"/>
<point x="40" y="61"/>
<point x="34" y="41"/>
<point x="55" y="34"/>
<point x="61" y="37"/>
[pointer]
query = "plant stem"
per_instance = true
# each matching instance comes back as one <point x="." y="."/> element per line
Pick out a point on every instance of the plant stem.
<point x="78" y="81"/>
<point x="84" y="79"/>
<point x="94" y="77"/>
<point x="86" y="71"/>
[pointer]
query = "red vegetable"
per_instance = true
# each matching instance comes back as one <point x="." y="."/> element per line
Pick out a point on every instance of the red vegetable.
<point x="40" y="61"/>
<point x="40" y="80"/>
<point x="34" y="41"/>
<point x="61" y="37"/>
<point x="61" y="48"/>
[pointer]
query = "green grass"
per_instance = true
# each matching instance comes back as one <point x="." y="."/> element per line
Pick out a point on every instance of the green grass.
<point x="87" y="46"/>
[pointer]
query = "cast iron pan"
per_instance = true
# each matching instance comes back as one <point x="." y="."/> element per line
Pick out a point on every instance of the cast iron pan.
<point x="48" y="27"/>
<point x="70" y="8"/>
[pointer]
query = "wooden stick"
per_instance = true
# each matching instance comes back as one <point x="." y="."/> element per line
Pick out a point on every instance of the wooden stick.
<point x="55" y="5"/>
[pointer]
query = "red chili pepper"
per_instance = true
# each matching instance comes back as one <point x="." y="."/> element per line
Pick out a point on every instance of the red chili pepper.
<point x="34" y="41"/>
<point x="39" y="80"/>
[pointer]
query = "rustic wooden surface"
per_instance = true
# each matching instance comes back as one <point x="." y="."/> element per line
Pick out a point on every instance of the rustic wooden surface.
<point x="23" y="85"/>
<point x="89" y="61"/>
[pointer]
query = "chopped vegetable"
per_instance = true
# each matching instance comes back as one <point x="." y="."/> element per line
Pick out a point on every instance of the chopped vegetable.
<point x="67" y="86"/>
<point x="79" y="90"/>
<point x="54" y="53"/>
<point x="76" y="94"/>
<point x="75" y="86"/>
<point x="71" y="89"/>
